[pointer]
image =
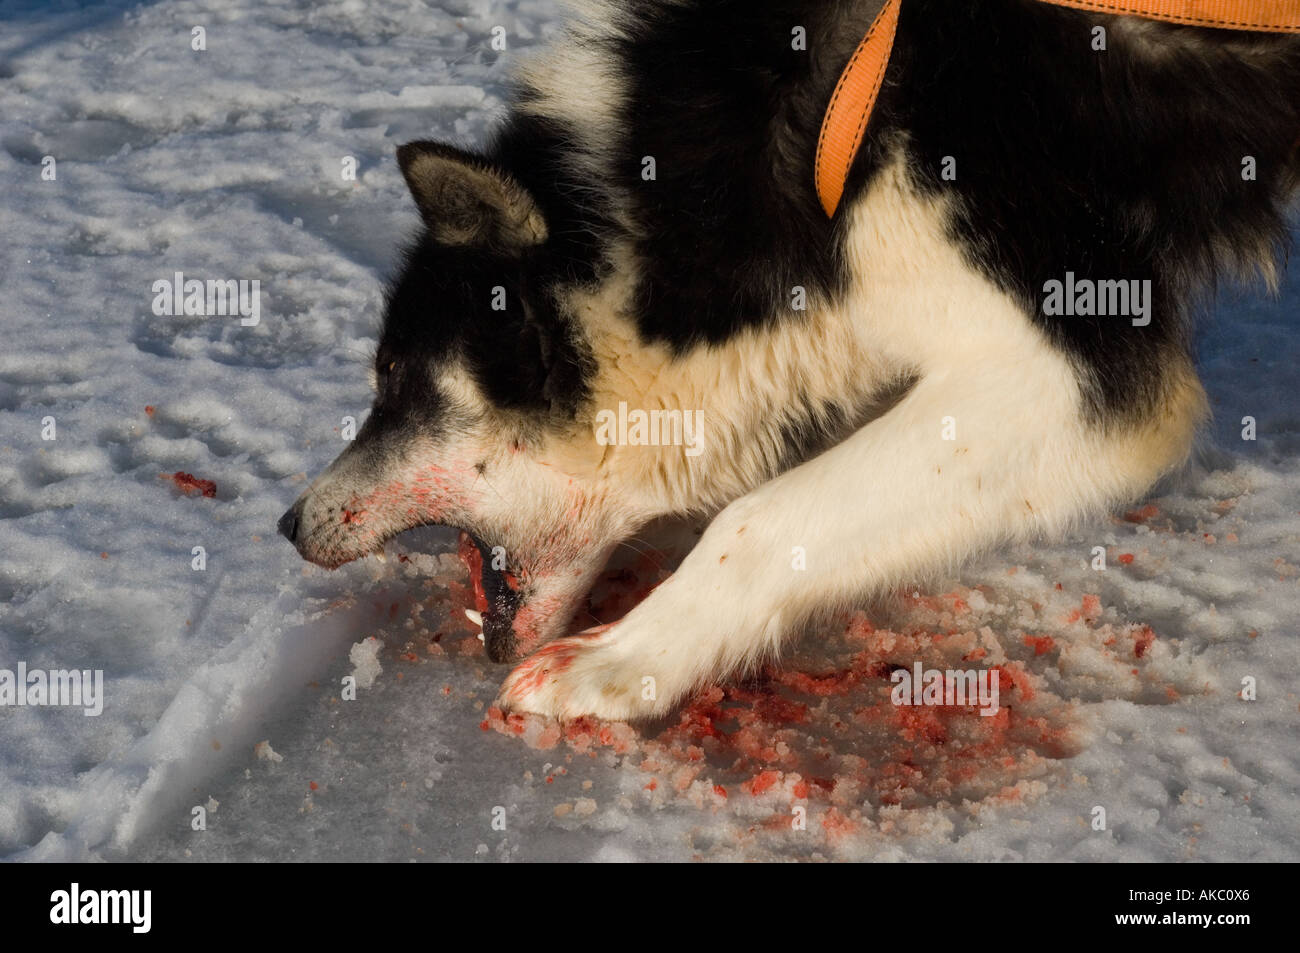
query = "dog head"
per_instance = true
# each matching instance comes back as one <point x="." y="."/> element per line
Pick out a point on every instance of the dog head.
<point x="481" y="380"/>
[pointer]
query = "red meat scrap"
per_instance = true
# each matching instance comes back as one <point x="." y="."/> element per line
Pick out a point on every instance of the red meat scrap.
<point x="188" y="483"/>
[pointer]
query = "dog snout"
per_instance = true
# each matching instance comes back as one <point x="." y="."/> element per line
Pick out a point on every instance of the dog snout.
<point x="288" y="525"/>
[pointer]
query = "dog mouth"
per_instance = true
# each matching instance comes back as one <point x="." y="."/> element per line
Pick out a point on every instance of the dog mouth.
<point x="496" y="596"/>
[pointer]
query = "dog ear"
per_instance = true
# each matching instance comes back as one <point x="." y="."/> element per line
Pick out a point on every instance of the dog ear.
<point x="466" y="202"/>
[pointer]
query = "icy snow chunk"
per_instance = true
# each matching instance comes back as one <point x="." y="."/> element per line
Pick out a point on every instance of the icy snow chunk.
<point x="364" y="657"/>
<point x="265" y="752"/>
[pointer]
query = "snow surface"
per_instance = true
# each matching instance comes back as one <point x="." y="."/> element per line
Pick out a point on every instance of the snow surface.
<point x="226" y="163"/>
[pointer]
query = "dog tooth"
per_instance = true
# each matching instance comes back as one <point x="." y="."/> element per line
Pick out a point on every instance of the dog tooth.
<point x="473" y="616"/>
<point x="381" y="555"/>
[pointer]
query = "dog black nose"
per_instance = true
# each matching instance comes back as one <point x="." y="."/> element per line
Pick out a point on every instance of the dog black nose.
<point x="288" y="525"/>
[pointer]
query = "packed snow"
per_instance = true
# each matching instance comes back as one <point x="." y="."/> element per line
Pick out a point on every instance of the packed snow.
<point x="348" y="714"/>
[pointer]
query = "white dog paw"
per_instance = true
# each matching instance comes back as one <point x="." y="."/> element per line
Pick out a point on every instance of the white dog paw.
<point x="582" y="675"/>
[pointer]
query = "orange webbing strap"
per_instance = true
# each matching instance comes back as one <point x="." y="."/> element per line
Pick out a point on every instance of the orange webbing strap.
<point x="1265" y="16"/>
<point x="855" y="94"/>
<point x="851" y="105"/>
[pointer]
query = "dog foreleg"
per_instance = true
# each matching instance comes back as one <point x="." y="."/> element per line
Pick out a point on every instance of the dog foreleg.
<point x="977" y="452"/>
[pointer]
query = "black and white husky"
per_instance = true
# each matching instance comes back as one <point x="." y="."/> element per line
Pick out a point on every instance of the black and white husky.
<point x="631" y="305"/>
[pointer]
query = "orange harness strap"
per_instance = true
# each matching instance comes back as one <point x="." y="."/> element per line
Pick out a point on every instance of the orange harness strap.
<point x="855" y="94"/>
<point x="850" y="107"/>
<point x="1264" y="16"/>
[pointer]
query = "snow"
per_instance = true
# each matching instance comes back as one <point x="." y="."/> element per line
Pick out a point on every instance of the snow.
<point x="366" y="666"/>
<point x="226" y="164"/>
